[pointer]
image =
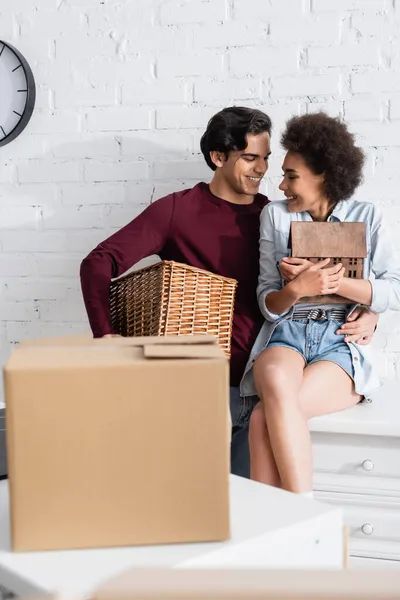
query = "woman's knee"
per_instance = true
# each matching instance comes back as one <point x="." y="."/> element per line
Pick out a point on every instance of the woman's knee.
<point x="271" y="377"/>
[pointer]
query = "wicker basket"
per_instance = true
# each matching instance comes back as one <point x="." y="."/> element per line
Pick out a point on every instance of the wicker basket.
<point x="171" y="298"/>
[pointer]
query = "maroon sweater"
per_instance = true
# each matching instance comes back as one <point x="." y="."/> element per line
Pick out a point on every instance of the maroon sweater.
<point x="193" y="227"/>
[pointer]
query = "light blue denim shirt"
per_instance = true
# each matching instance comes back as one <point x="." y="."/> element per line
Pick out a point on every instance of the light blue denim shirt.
<point x="381" y="267"/>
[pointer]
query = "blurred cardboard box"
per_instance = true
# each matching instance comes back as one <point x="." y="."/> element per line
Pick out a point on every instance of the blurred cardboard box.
<point x="3" y="461"/>
<point x="117" y="442"/>
<point x="252" y="584"/>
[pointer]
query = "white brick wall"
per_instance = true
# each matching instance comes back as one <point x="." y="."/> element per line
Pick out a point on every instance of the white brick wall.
<point x="124" y="91"/>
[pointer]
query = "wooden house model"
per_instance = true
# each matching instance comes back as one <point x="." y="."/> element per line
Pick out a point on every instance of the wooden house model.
<point x="341" y="242"/>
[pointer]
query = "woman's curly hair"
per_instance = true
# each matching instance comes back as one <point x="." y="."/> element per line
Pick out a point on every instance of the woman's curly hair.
<point x="327" y="147"/>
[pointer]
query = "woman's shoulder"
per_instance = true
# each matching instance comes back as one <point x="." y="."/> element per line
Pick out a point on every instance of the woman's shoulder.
<point x="358" y="210"/>
<point x="275" y="209"/>
<point x="278" y="206"/>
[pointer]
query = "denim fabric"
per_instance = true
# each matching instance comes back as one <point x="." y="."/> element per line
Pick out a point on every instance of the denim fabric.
<point x="241" y="409"/>
<point x="314" y="340"/>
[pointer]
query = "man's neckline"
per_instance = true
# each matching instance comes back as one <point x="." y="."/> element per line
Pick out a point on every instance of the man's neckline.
<point x="257" y="200"/>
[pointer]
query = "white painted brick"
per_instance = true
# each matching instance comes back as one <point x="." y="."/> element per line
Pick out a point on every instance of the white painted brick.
<point x="8" y="171"/>
<point x="86" y="145"/>
<point x="20" y="5"/>
<point x="84" y="241"/>
<point x="369" y="109"/>
<point x="192" y="11"/>
<point x="67" y="96"/>
<point x="306" y="85"/>
<point x="164" y="189"/>
<point x="279" y="114"/>
<point x="8" y="25"/>
<point x="183" y="65"/>
<point x="248" y="10"/>
<point x="227" y="91"/>
<point x="36" y="49"/>
<point x="92" y="193"/>
<point x="117" y="119"/>
<point x="155" y="92"/>
<point x="16" y="332"/>
<point x="381" y="26"/>
<point x="338" y="5"/>
<point x="119" y="216"/>
<point x="385" y="365"/>
<point x="54" y="122"/>
<point x="376" y="190"/>
<point x="186" y="117"/>
<point x="229" y="34"/>
<point x="56" y="310"/>
<point x="331" y="108"/>
<point x="116" y="171"/>
<point x="395" y="107"/>
<point x="18" y="311"/>
<point x="393" y="340"/>
<point x="346" y="55"/>
<point x="73" y="217"/>
<point x="138" y="193"/>
<point x="44" y="98"/>
<point x="321" y="29"/>
<point x="158" y="39"/>
<point x="28" y="146"/>
<point x="263" y="61"/>
<point x="17" y="265"/>
<point x="19" y="217"/>
<point x="121" y="70"/>
<point x="131" y="17"/>
<point x="26" y="288"/>
<point x="51" y="23"/>
<point x="57" y="265"/>
<point x="45" y="171"/>
<point x="33" y="241"/>
<point x="387" y="161"/>
<point x="159" y="142"/>
<point x="186" y="169"/>
<point x="377" y="134"/>
<point x="87" y="46"/>
<point x="27" y="194"/>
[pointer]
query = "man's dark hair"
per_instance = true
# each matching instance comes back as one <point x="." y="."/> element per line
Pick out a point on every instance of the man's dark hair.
<point x="227" y="130"/>
<point x="327" y="147"/>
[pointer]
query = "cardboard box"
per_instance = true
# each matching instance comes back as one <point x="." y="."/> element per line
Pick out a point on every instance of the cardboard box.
<point x="117" y="442"/>
<point x="163" y="584"/>
<point x="3" y="461"/>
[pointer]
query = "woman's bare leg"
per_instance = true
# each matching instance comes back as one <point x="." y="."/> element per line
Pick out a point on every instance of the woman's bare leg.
<point x="326" y="388"/>
<point x="262" y="462"/>
<point x="278" y="374"/>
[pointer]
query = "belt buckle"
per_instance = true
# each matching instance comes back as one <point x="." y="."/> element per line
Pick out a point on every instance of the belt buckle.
<point x="318" y="314"/>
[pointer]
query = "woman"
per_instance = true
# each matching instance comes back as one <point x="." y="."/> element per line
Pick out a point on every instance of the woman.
<point x="299" y="366"/>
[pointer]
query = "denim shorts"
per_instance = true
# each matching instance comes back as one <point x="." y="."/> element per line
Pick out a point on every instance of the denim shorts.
<point x="315" y="341"/>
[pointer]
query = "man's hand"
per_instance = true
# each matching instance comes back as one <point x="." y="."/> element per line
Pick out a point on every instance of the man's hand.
<point x="360" y="326"/>
<point x="290" y="267"/>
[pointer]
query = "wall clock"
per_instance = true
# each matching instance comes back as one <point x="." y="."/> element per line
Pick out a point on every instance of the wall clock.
<point x="17" y="93"/>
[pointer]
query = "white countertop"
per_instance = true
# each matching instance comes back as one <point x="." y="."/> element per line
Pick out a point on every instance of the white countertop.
<point x="380" y="417"/>
<point x="271" y="528"/>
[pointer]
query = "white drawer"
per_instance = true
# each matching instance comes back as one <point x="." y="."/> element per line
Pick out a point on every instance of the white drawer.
<point x="356" y="463"/>
<point x="366" y="564"/>
<point x="374" y="524"/>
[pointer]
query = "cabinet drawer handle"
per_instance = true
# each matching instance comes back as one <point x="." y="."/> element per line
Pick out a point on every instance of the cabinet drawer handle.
<point x="368" y="465"/>
<point x="367" y="529"/>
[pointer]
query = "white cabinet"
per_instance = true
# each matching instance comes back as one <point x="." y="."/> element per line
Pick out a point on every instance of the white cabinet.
<point x="357" y="467"/>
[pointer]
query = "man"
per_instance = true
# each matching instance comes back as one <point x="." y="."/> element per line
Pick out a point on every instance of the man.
<point x="213" y="227"/>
